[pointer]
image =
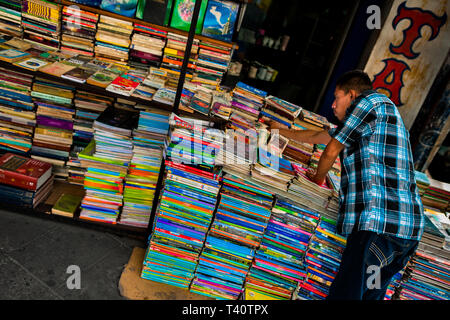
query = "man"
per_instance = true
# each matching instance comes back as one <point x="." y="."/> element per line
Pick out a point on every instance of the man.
<point x="380" y="207"/>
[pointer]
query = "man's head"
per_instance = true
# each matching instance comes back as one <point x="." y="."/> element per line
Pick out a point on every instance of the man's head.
<point x="348" y="87"/>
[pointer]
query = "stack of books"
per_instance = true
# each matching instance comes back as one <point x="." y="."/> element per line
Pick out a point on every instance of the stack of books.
<point x="325" y="250"/>
<point x="53" y="135"/>
<point x="147" y="46"/>
<point x="334" y="181"/>
<point x="273" y="170"/>
<point x="113" y="39"/>
<point x="315" y="158"/>
<point x="280" y="110"/>
<point x="437" y="195"/>
<point x="221" y="104"/>
<point x="78" y="31"/>
<point x="107" y="158"/>
<point x="234" y="236"/>
<point x="201" y="100"/>
<point x="279" y="267"/>
<point x="173" y="58"/>
<point x="185" y="209"/>
<point x="11" y="17"/>
<point x="308" y="118"/>
<point x="422" y="181"/>
<point x="24" y="182"/>
<point x="143" y="172"/>
<point x="17" y="112"/>
<point x="212" y="63"/>
<point x="247" y="102"/>
<point x="41" y="23"/>
<point x="427" y="273"/>
<point x="300" y="152"/>
<point x="394" y="285"/>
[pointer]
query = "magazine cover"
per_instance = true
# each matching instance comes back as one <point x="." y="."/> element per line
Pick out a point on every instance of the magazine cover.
<point x="182" y="15"/>
<point x="220" y="18"/>
<point x="125" y="8"/>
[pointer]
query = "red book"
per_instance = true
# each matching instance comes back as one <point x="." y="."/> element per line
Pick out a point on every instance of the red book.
<point x="23" y="172"/>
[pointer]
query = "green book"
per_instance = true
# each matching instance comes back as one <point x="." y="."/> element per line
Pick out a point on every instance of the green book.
<point x="182" y="15"/>
<point x="67" y="205"/>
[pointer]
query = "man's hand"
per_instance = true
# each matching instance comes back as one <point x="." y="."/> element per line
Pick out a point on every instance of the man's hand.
<point x="312" y="175"/>
<point x="275" y="125"/>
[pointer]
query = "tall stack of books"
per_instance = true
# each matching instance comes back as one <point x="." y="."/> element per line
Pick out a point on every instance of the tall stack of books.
<point x="41" y="23"/>
<point x="173" y="58"/>
<point x="212" y="63"/>
<point x="147" y="46"/>
<point x="78" y="31"/>
<point x="234" y="236"/>
<point x="391" y="291"/>
<point x="221" y="104"/>
<point x="437" y="195"/>
<point x="17" y="112"/>
<point x="185" y="209"/>
<point x="427" y="273"/>
<point x="107" y="158"/>
<point x="113" y="39"/>
<point x="11" y="17"/>
<point x="279" y="266"/>
<point x="24" y="182"/>
<point x="143" y="172"/>
<point x="53" y="135"/>
<point x="322" y="260"/>
<point x="247" y="102"/>
<point x="334" y="181"/>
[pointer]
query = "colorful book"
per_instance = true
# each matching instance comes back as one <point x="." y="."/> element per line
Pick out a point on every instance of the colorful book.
<point x="220" y="18"/>
<point x="182" y="15"/>
<point x="125" y="8"/>
<point x="33" y="64"/>
<point x="12" y="55"/>
<point x="67" y="205"/>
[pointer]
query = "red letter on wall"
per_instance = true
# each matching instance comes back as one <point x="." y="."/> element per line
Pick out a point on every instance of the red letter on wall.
<point x="390" y="79"/>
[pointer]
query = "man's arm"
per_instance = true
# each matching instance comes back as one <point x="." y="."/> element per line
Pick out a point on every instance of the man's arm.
<point x="307" y="136"/>
<point x="327" y="160"/>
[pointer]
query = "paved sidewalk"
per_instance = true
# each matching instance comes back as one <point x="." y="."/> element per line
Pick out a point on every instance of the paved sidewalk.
<point x="35" y="253"/>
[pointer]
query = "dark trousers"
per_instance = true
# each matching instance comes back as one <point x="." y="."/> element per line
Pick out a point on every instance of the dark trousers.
<point x="368" y="264"/>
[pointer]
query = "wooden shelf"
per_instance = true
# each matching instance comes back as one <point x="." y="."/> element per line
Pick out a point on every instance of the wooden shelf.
<point x="145" y="23"/>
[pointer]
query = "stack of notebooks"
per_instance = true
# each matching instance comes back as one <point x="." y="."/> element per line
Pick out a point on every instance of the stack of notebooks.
<point x="143" y="172"/>
<point x="427" y="276"/>
<point x="322" y="260"/>
<point x="147" y="46"/>
<point x="273" y="170"/>
<point x="280" y="110"/>
<point x="11" y="17"/>
<point x="437" y="195"/>
<point x="78" y="31"/>
<point x="173" y="58"/>
<point x="17" y="112"/>
<point x="279" y="267"/>
<point x="106" y="159"/>
<point x="235" y="234"/>
<point x="24" y="182"/>
<point x="113" y="39"/>
<point x="53" y="135"/>
<point x="184" y="212"/>
<point x="314" y="196"/>
<point x="212" y="63"/>
<point x="247" y="102"/>
<point x="41" y="23"/>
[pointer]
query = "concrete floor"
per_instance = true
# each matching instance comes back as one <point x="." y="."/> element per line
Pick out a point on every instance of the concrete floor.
<point x="35" y="254"/>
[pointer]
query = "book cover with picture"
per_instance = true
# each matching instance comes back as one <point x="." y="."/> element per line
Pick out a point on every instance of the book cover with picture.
<point x="79" y="74"/>
<point x="125" y="8"/>
<point x="102" y="78"/>
<point x="220" y="18"/>
<point x="124" y="85"/>
<point x="12" y="55"/>
<point x="182" y="15"/>
<point x="33" y="64"/>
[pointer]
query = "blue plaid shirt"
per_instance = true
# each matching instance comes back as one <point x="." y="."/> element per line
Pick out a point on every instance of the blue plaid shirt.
<point x="378" y="186"/>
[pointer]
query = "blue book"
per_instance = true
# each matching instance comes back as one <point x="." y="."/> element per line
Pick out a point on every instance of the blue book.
<point x="251" y="89"/>
<point x="125" y="8"/>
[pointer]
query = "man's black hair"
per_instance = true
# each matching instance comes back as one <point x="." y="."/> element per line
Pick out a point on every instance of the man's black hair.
<point x="356" y="79"/>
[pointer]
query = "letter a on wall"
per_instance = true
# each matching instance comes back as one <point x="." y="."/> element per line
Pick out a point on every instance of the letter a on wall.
<point x="409" y="52"/>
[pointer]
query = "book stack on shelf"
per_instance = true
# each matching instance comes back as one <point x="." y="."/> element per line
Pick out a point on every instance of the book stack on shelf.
<point x="212" y="63"/>
<point x="53" y="135"/>
<point x="11" y="17"/>
<point x="173" y="58"/>
<point x="422" y="181"/>
<point x="41" y="22"/>
<point x="17" y="112"/>
<point x="147" y="45"/>
<point x="78" y="31"/>
<point x="201" y="100"/>
<point x="88" y="106"/>
<point x="221" y="104"/>
<point x="143" y="172"/>
<point x="247" y="102"/>
<point x="279" y="268"/>
<point x="24" y="182"/>
<point x="322" y="261"/>
<point x="311" y="120"/>
<point x="437" y="195"/>
<point x="186" y="206"/>
<point x="427" y="273"/>
<point x="106" y="159"/>
<point x="234" y="236"/>
<point x="113" y="39"/>
<point x="280" y="110"/>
